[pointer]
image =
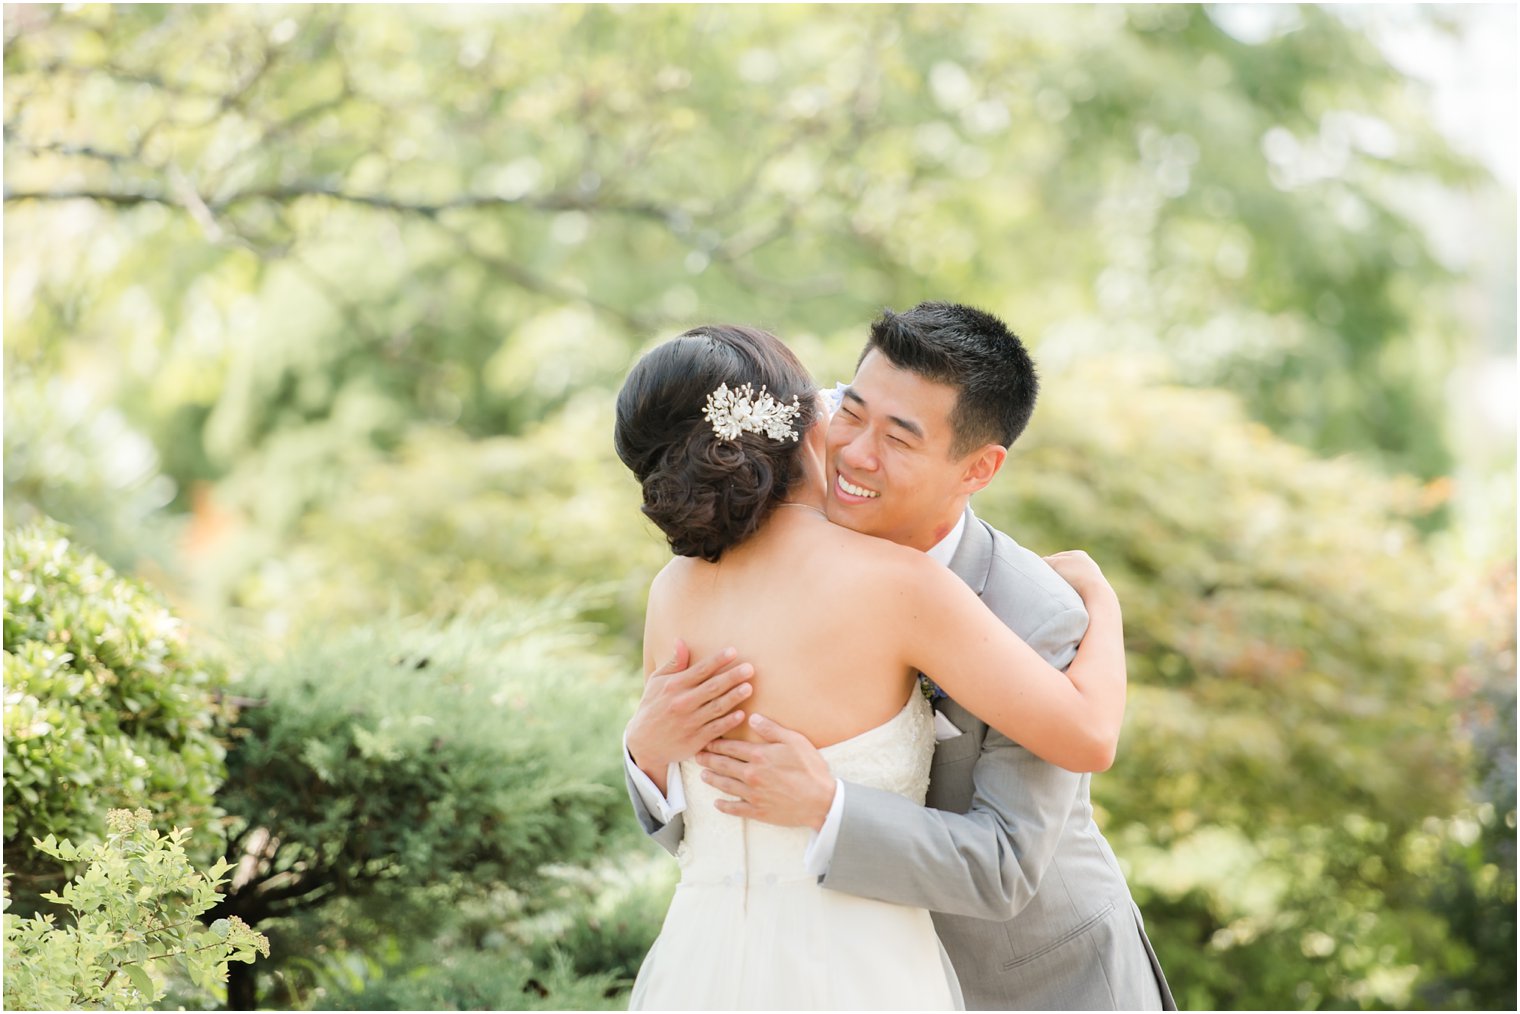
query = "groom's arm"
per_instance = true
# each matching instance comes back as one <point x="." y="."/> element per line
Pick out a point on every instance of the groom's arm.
<point x="667" y="827"/>
<point x="986" y="863"/>
<point x="683" y="707"/>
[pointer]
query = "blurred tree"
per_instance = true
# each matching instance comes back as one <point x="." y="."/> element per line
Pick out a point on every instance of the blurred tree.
<point x="69" y="457"/>
<point x="1290" y="759"/>
<point x="277" y="235"/>
<point x="1475" y="891"/>
<point x="107" y="705"/>
<point x="392" y="769"/>
<point x="452" y="522"/>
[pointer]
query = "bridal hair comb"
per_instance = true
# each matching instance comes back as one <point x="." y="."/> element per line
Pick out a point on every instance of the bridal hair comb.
<point x="741" y="411"/>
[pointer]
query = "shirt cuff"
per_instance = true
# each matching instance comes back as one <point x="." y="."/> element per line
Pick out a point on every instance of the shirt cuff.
<point x="661" y="807"/>
<point x="820" y="850"/>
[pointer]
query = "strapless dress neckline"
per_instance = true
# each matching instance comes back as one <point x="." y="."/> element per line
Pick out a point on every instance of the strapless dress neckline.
<point x="885" y="728"/>
<point x="751" y="928"/>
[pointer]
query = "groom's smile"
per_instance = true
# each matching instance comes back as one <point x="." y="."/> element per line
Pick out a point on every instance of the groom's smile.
<point x="851" y="492"/>
<point x="890" y="469"/>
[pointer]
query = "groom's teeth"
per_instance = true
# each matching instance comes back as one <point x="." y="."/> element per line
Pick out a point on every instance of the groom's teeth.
<point x="854" y="490"/>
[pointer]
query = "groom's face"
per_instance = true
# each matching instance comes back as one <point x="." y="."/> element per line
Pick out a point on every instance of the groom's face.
<point x="890" y="470"/>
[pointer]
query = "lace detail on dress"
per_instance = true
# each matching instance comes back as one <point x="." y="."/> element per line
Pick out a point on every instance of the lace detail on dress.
<point x="895" y="756"/>
<point x="722" y="849"/>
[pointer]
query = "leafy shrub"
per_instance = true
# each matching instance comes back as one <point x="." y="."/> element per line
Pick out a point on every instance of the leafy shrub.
<point x="604" y="920"/>
<point x="575" y="943"/>
<point x="134" y="920"/>
<point x="397" y="768"/>
<point x="1289" y="751"/>
<point x="1474" y="885"/>
<point x="481" y="980"/>
<point x="106" y="704"/>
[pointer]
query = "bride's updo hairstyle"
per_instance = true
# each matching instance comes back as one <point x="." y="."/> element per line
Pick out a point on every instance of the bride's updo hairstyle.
<point x="707" y="493"/>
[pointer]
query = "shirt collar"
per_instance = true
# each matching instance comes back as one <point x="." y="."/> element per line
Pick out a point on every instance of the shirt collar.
<point x="945" y="548"/>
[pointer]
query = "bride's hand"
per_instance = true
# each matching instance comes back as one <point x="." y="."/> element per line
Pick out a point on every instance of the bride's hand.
<point x="1081" y="572"/>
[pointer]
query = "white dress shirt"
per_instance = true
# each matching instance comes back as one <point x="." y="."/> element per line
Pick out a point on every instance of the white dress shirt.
<point x="820" y="850"/>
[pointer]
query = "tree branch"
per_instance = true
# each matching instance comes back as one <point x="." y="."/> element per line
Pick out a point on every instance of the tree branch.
<point x="114" y="158"/>
<point x="295" y="191"/>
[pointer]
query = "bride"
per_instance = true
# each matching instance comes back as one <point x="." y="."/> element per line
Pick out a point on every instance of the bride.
<point x="720" y="427"/>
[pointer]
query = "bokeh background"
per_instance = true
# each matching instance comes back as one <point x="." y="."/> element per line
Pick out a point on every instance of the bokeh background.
<point x="315" y="541"/>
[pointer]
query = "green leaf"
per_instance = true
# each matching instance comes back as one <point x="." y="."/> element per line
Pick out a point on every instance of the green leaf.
<point x="141" y="981"/>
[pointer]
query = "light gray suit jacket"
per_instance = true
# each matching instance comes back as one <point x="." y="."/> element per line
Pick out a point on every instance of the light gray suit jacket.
<point x="1026" y="893"/>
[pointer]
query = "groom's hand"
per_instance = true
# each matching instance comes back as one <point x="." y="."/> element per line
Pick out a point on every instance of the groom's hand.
<point x="685" y="707"/>
<point x="783" y="780"/>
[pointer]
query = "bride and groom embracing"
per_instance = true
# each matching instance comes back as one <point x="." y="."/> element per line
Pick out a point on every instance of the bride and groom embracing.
<point x="860" y="847"/>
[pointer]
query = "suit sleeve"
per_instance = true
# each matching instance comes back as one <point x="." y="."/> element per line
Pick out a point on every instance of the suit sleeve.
<point x="986" y="863"/>
<point x="668" y="835"/>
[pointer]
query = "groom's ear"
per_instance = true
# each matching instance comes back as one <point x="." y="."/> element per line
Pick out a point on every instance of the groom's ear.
<point x="981" y="466"/>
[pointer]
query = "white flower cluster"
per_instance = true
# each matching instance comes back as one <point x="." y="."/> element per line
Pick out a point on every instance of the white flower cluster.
<point x="741" y="411"/>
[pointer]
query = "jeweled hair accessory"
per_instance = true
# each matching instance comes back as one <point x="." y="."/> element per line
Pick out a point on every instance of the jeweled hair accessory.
<point x="741" y="411"/>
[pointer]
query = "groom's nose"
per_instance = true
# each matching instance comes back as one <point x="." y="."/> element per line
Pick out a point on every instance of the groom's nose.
<point x="860" y="453"/>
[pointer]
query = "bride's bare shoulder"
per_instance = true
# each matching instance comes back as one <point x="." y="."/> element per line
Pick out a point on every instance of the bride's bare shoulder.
<point x="677" y="571"/>
<point x="879" y="557"/>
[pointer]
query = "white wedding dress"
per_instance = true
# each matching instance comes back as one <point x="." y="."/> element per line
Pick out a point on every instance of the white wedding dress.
<point x="750" y="929"/>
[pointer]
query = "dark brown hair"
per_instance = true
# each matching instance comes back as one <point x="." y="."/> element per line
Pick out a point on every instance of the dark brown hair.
<point x="973" y="352"/>
<point x="705" y="493"/>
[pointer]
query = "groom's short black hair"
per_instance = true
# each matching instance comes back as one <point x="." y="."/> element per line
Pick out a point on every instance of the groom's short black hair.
<point x="975" y="353"/>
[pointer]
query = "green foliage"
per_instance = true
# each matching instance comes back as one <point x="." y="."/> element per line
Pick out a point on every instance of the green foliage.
<point x="1474" y="887"/>
<point x="400" y="766"/>
<point x="1289" y="758"/>
<point x="107" y="704"/>
<point x="452" y="522"/>
<point x="482" y="980"/>
<point x="604" y="920"/>
<point x="491" y="224"/>
<point x="575" y="944"/>
<point x="81" y="464"/>
<point x="134" y="924"/>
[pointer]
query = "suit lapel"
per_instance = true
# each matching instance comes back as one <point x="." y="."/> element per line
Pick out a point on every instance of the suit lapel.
<point x="972" y="562"/>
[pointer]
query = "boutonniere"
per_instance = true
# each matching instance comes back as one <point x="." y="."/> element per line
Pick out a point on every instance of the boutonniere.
<point x="930" y="689"/>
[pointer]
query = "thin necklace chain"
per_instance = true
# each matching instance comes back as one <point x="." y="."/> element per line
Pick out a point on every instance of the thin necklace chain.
<point x="806" y="507"/>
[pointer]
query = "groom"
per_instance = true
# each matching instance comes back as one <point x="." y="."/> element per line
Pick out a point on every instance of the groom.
<point x="1026" y="894"/>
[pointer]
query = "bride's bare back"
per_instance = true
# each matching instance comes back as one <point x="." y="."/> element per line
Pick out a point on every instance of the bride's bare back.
<point x="803" y="601"/>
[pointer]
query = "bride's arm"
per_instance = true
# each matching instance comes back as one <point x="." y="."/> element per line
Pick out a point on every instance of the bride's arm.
<point x="1071" y="720"/>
